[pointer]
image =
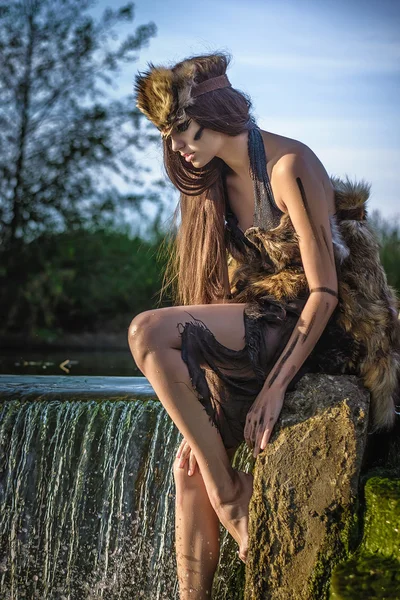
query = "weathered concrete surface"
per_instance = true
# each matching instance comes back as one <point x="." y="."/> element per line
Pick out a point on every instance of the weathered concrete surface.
<point x="305" y="489"/>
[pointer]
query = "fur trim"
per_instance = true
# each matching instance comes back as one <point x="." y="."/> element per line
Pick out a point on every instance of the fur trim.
<point x="184" y="82"/>
<point x="163" y="95"/>
<point x="350" y="198"/>
<point x="340" y="248"/>
<point x="368" y="307"/>
<point x="154" y="97"/>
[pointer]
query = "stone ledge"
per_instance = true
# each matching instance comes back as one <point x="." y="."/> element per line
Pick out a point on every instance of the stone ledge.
<point x="305" y="490"/>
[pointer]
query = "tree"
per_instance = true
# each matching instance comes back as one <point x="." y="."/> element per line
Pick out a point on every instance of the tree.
<point x="88" y="279"/>
<point x="388" y="232"/>
<point x="61" y="135"/>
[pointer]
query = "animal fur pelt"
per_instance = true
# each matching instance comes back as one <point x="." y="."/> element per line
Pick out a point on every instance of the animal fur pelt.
<point x="368" y="307"/>
<point x="163" y="94"/>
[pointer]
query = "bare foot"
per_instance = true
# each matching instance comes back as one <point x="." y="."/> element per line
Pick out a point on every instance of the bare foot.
<point x="234" y="514"/>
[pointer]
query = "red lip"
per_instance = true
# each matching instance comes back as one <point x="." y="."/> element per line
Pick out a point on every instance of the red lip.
<point x="186" y="156"/>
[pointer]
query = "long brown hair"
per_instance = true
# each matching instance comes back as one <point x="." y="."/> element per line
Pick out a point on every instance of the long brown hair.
<point x="196" y="250"/>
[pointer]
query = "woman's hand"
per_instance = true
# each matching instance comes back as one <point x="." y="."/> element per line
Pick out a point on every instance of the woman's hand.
<point x="262" y="417"/>
<point x="186" y="453"/>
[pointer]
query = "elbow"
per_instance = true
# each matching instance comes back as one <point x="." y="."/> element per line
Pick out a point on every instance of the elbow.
<point x="333" y="302"/>
<point x="326" y="296"/>
<point x="325" y="290"/>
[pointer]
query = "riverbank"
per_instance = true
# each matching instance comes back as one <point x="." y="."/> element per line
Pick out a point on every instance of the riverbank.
<point x="100" y="340"/>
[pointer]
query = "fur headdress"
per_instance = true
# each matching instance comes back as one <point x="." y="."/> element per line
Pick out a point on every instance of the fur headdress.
<point x="163" y="94"/>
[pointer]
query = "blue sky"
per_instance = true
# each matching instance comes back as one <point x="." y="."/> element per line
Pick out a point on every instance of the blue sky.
<point x="323" y="72"/>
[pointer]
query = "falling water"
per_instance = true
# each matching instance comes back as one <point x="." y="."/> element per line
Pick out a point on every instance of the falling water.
<point x="87" y="493"/>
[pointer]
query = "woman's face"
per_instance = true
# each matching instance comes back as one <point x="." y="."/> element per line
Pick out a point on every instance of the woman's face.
<point x="200" y="145"/>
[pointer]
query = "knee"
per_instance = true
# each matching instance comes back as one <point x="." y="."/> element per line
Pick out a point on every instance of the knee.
<point x="185" y="483"/>
<point x="140" y="334"/>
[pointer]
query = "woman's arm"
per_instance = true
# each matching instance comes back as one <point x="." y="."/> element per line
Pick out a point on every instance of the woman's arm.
<point x="301" y="195"/>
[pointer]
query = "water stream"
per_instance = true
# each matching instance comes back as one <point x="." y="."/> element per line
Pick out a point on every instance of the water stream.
<point x="87" y="493"/>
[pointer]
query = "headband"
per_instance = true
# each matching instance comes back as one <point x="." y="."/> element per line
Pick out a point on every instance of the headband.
<point x="209" y="85"/>
<point x="164" y="94"/>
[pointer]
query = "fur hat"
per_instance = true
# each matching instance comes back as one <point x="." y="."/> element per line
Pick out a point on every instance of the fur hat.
<point x="163" y="94"/>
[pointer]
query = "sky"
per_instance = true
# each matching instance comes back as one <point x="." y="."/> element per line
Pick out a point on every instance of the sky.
<point x="324" y="72"/>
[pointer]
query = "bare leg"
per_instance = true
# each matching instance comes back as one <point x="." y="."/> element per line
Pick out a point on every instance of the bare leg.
<point x="196" y="535"/>
<point x="229" y="491"/>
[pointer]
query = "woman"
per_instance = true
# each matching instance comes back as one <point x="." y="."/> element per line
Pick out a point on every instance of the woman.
<point x="260" y="299"/>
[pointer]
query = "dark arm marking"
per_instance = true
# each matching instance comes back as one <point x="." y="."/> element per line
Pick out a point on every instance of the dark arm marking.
<point x="290" y="349"/>
<point x="312" y="322"/>
<point x="275" y="374"/>
<point x="308" y="213"/>
<point x="284" y="358"/>
<point x="325" y="289"/>
<point x="289" y="376"/>
<point x="327" y="245"/>
<point x="310" y="326"/>
<point x="303" y="337"/>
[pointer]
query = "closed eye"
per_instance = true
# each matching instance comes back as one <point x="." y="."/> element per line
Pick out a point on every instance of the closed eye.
<point x="183" y="126"/>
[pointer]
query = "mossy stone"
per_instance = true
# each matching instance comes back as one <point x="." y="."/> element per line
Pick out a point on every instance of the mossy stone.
<point x="382" y="517"/>
<point x="374" y="571"/>
<point x="365" y="577"/>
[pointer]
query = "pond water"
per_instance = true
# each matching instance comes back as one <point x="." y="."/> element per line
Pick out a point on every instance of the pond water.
<point x="68" y="362"/>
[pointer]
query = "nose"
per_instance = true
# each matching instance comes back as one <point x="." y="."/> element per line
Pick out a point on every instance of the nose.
<point x="176" y="144"/>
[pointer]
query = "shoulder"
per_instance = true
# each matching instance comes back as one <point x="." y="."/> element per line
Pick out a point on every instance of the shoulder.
<point x="298" y="162"/>
<point x="298" y="158"/>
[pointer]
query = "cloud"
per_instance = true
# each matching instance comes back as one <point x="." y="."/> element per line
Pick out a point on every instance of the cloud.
<point x="358" y="58"/>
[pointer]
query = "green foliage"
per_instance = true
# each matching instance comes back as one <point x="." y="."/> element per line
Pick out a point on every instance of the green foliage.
<point x="389" y="236"/>
<point x="63" y="141"/>
<point x="86" y="280"/>
<point x="65" y="148"/>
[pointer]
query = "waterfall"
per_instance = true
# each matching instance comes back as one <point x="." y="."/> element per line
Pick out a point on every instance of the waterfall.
<point x="87" y="493"/>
